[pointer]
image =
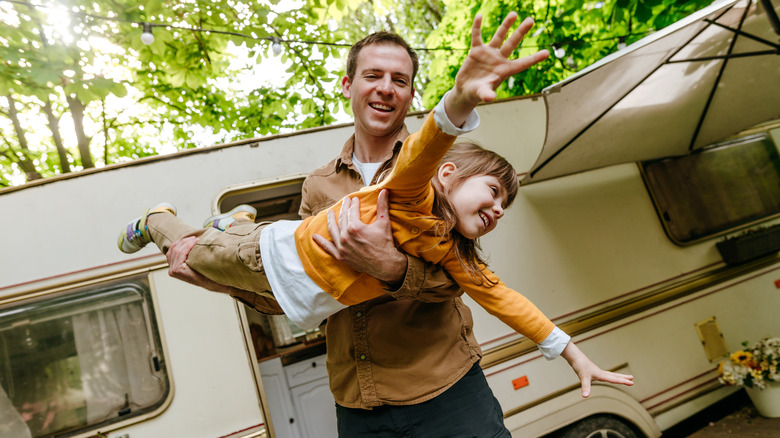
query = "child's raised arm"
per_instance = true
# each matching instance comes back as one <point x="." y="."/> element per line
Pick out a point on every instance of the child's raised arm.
<point x="588" y="372"/>
<point x="487" y="66"/>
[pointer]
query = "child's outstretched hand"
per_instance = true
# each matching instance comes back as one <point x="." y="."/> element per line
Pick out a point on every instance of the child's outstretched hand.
<point x="488" y="65"/>
<point x="588" y="372"/>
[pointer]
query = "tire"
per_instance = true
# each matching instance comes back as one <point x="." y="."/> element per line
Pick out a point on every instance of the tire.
<point x="599" y="426"/>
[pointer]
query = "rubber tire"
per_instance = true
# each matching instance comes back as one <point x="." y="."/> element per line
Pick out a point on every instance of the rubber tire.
<point x="598" y="426"/>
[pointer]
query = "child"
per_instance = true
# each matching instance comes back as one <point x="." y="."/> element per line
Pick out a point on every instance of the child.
<point x="437" y="210"/>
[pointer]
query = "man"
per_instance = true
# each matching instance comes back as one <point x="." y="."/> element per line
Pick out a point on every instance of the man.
<point x="397" y="366"/>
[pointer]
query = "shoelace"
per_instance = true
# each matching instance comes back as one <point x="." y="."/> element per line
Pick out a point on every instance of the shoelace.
<point x="134" y="236"/>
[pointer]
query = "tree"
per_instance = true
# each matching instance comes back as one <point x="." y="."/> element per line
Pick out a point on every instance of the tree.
<point x="82" y="73"/>
<point x="585" y="30"/>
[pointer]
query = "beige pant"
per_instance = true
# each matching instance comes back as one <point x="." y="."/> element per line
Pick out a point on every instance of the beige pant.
<point x="230" y="257"/>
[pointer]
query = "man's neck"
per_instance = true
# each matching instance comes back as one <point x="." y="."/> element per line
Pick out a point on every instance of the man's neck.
<point x="374" y="149"/>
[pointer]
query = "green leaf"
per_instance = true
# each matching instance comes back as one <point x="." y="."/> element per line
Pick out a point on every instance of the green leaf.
<point x="643" y="12"/>
<point x="193" y="80"/>
<point x="44" y="76"/>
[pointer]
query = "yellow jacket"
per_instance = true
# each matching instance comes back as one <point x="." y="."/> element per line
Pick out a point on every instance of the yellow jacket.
<point x="414" y="231"/>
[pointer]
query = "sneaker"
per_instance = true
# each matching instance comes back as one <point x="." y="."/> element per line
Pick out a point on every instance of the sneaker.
<point x="136" y="235"/>
<point x="226" y="220"/>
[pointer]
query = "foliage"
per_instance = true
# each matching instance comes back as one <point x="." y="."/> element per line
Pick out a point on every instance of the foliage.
<point x="79" y="89"/>
<point x="754" y="366"/>
<point x="586" y="30"/>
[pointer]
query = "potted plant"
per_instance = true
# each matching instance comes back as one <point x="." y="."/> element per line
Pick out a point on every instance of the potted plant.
<point x="750" y="245"/>
<point x="756" y="368"/>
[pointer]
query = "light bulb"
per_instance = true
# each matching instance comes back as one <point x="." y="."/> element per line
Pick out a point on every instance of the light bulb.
<point x="599" y="5"/>
<point x="621" y="43"/>
<point x="276" y="47"/>
<point x="559" y="52"/>
<point x="147" y="37"/>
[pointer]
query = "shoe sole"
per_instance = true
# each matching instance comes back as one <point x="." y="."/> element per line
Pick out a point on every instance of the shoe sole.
<point x="209" y="223"/>
<point x="142" y="228"/>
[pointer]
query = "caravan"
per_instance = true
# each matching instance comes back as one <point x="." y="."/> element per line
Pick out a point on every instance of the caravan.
<point x="96" y="341"/>
<point x="622" y="253"/>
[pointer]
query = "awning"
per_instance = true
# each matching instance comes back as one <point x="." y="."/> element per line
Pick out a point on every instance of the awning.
<point x="698" y="81"/>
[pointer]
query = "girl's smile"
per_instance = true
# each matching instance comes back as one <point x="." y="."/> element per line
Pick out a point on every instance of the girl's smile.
<point x="478" y="203"/>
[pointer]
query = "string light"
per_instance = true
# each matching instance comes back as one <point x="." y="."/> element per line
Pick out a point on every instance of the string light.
<point x="147" y="37"/>
<point x="276" y="46"/>
<point x="276" y="43"/>
<point x="621" y="43"/>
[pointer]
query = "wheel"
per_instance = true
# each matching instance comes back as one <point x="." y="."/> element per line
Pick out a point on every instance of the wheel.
<point x="598" y="426"/>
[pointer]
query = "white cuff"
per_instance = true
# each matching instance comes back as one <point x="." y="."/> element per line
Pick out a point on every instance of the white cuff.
<point x="444" y="123"/>
<point x="553" y="345"/>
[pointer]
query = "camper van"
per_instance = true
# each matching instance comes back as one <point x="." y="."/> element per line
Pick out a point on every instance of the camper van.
<point x="625" y="258"/>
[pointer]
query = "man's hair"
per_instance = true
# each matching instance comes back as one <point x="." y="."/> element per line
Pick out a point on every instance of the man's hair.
<point x="470" y="159"/>
<point x="380" y="37"/>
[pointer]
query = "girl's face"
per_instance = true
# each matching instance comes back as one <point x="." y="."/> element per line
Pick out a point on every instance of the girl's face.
<point x="478" y="203"/>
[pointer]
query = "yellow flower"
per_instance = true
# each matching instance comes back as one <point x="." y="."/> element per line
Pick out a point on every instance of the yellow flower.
<point x="743" y="358"/>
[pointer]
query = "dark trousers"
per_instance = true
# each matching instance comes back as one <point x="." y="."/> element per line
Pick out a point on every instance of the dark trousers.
<point x="467" y="410"/>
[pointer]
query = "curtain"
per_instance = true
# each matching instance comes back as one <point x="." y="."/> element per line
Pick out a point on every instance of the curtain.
<point x="115" y="356"/>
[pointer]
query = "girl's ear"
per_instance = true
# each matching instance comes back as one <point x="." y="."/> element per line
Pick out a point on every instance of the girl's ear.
<point x="445" y="173"/>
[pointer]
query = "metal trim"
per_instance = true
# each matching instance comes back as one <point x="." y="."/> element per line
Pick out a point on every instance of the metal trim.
<point x="629" y="307"/>
<point x="553" y="395"/>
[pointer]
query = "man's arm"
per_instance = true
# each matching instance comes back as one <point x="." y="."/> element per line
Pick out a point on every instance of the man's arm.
<point x="178" y="268"/>
<point x="408" y="277"/>
<point x="354" y="242"/>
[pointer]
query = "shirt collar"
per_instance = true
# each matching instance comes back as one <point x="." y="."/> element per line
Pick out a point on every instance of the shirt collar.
<point x="345" y="157"/>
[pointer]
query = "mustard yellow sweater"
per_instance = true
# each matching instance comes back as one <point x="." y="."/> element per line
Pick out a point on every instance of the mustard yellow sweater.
<point x="414" y="232"/>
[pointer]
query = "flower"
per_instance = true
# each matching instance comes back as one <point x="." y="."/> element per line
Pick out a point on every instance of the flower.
<point x="754" y="366"/>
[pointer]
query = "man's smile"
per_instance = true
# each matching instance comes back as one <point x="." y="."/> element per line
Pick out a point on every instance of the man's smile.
<point x="380" y="106"/>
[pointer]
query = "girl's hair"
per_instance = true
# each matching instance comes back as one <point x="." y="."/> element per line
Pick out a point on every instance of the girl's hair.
<point x="470" y="159"/>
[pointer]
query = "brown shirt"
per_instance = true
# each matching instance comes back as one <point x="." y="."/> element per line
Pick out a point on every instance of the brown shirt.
<point x="392" y="350"/>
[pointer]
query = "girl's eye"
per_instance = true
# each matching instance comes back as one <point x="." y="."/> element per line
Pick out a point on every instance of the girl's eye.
<point x="494" y="189"/>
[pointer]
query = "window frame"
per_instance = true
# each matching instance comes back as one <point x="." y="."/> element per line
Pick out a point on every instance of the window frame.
<point x="93" y="289"/>
<point x="762" y="138"/>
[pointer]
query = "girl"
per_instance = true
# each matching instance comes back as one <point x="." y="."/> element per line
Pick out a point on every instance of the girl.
<point x="437" y="206"/>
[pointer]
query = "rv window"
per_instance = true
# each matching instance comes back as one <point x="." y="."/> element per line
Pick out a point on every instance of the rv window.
<point x="80" y="360"/>
<point x="716" y="190"/>
<point x="275" y="201"/>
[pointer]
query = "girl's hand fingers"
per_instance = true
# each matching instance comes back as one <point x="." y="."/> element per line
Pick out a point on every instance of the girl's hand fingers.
<point x="502" y="31"/>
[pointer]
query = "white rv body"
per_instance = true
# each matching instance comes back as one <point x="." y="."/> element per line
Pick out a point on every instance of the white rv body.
<point x="588" y="249"/>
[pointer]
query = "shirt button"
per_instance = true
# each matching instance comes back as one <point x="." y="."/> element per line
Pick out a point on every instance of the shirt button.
<point x="415" y="230"/>
<point x="359" y="314"/>
<point x="362" y="357"/>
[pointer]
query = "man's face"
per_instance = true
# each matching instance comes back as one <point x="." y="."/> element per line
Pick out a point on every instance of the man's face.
<point x="381" y="90"/>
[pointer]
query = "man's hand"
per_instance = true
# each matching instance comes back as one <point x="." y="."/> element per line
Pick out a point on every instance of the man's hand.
<point x="488" y="65"/>
<point x="367" y="248"/>
<point x="180" y="270"/>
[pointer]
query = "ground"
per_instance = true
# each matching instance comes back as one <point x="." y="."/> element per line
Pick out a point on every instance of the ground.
<point x="732" y="417"/>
